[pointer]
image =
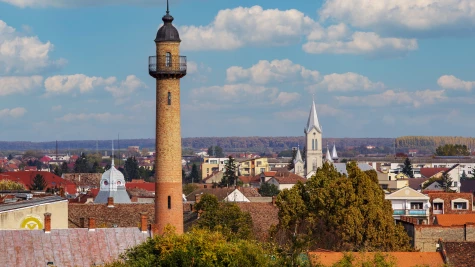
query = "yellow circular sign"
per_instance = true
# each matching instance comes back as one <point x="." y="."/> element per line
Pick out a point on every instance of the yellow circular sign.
<point x="31" y="223"/>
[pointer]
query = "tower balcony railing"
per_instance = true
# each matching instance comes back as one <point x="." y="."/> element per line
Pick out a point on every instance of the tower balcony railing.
<point x="164" y="66"/>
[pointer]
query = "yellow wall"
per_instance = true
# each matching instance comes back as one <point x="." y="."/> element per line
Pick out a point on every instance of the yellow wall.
<point x="253" y="167"/>
<point x="33" y="217"/>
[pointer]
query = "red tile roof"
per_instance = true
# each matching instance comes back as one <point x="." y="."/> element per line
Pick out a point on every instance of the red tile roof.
<point x="429" y="172"/>
<point x="460" y="254"/>
<point x="249" y="191"/>
<point x="67" y="247"/>
<point x="289" y="178"/>
<point x="402" y="259"/>
<point x="264" y="215"/>
<point x="52" y="180"/>
<point x="142" y="185"/>
<point x="454" y="219"/>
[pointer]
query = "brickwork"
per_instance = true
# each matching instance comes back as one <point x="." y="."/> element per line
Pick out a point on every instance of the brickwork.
<point x="264" y="215"/>
<point x="425" y="237"/>
<point x="447" y="207"/>
<point x="168" y="191"/>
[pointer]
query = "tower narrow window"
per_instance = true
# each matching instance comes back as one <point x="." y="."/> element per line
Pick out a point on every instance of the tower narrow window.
<point x="316" y="144"/>
<point x="168" y="59"/>
<point x="169" y="202"/>
<point x="313" y="144"/>
<point x="169" y="98"/>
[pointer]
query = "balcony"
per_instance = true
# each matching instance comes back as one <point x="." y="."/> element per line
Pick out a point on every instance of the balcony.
<point x="413" y="212"/>
<point x="167" y="66"/>
<point x="438" y="212"/>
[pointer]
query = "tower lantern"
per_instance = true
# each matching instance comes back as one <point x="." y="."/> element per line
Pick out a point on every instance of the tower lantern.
<point x="168" y="67"/>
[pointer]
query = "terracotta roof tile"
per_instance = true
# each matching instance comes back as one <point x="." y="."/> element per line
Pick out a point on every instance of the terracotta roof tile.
<point x="264" y="215"/>
<point x="429" y="172"/>
<point x="51" y="179"/>
<point x="142" y="185"/>
<point x="249" y="192"/>
<point x="402" y="259"/>
<point x="454" y="219"/>
<point x="460" y="254"/>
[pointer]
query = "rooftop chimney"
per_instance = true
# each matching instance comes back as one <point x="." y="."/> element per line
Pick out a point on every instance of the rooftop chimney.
<point x="273" y="200"/>
<point x="47" y="223"/>
<point x="110" y="202"/>
<point x="143" y="222"/>
<point x="92" y="224"/>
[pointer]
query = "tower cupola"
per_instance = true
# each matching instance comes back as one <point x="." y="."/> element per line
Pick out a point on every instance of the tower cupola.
<point x="168" y="32"/>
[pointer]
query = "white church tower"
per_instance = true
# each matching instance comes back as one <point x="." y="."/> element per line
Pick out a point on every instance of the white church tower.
<point x="313" y="136"/>
<point x="299" y="165"/>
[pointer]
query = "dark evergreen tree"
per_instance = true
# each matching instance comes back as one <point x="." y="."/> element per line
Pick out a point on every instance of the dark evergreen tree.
<point x="194" y="176"/>
<point x="229" y="176"/>
<point x="81" y="165"/>
<point x="464" y="176"/>
<point x="57" y="171"/>
<point x="407" y="169"/>
<point x="64" y="168"/>
<point x="290" y="166"/>
<point x="268" y="190"/>
<point x="38" y="183"/>
<point x="10" y="157"/>
<point x="446" y="182"/>
<point x="131" y="169"/>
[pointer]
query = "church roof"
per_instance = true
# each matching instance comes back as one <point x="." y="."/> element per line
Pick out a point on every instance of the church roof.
<point x="334" y="154"/>
<point x="313" y="119"/>
<point x="328" y="157"/>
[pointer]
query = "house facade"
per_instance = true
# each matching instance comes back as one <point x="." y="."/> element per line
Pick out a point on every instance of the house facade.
<point x="408" y="202"/>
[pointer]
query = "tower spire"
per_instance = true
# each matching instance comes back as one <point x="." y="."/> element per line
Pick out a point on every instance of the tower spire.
<point x="313" y="119"/>
<point x="168" y="10"/>
<point x="112" y="164"/>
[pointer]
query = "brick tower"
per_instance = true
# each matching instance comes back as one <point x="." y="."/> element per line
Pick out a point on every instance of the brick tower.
<point x="168" y="67"/>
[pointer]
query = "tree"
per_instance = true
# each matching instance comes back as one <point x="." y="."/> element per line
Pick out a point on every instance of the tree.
<point x="11" y="185"/>
<point x="10" y="157"/>
<point x="188" y="188"/>
<point x="464" y="176"/>
<point x="452" y="150"/>
<point x="407" y="169"/>
<point x="446" y="181"/>
<point x="39" y="183"/>
<point x="291" y="166"/>
<point x="57" y="171"/>
<point x="286" y="153"/>
<point x="195" y="175"/>
<point x="215" y="151"/>
<point x="268" y="190"/>
<point x="64" y="168"/>
<point x="131" y="169"/>
<point x="226" y="218"/>
<point x="335" y="212"/>
<point x="229" y="176"/>
<point x="82" y="164"/>
<point x="199" y="248"/>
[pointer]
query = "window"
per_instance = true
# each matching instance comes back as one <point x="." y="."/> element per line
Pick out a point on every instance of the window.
<point x="258" y="163"/>
<point x="263" y="169"/>
<point x="416" y="205"/>
<point x="168" y="60"/>
<point x="169" y="98"/>
<point x="460" y="205"/>
<point x="455" y="184"/>
<point x="313" y="144"/>
<point x="207" y="170"/>
<point x="169" y="202"/>
<point x="438" y="206"/>
<point x="316" y="144"/>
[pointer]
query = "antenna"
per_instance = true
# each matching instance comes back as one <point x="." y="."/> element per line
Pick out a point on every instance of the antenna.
<point x="112" y="164"/>
<point x="168" y="10"/>
<point x="118" y="145"/>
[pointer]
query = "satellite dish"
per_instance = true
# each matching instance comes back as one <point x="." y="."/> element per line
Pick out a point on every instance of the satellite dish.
<point x="428" y="205"/>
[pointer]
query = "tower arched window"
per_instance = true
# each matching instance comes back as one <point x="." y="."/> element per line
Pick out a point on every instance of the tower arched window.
<point x="169" y="98"/>
<point x="316" y="144"/>
<point x="168" y="59"/>
<point x="313" y="144"/>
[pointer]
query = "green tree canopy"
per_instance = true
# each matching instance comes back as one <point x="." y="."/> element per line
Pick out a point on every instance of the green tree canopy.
<point x="64" y="168"/>
<point x="268" y="190"/>
<point x="82" y="164"/>
<point x="11" y="185"/>
<point x="226" y="218"/>
<point x="335" y="212"/>
<point x="195" y="174"/>
<point x="215" y="151"/>
<point x="407" y="169"/>
<point x="131" y="168"/>
<point x="446" y="181"/>
<point x="38" y="183"/>
<point x="199" y="248"/>
<point x="229" y="177"/>
<point x="452" y="150"/>
<point x="290" y="166"/>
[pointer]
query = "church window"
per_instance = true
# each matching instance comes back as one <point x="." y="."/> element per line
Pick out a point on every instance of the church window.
<point x="169" y="98"/>
<point x="316" y="144"/>
<point x="168" y="59"/>
<point x="169" y="202"/>
<point x="313" y="144"/>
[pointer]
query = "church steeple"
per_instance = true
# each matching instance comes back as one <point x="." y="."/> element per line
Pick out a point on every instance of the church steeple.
<point x="298" y="156"/>
<point x="328" y="157"/>
<point x="312" y="121"/>
<point x="334" y="154"/>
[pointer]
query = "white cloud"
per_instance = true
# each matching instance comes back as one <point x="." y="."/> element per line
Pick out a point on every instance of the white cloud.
<point x="12" y="113"/>
<point x="300" y="114"/>
<point x="198" y="71"/>
<point x="327" y="110"/>
<point x="367" y="43"/>
<point x="237" y="93"/>
<point x="77" y="3"/>
<point x="391" y="97"/>
<point x="234" y="28"/>
<point x="349" y="81"/>
<point x="24" y="54"/>
<point x="101" y="117"/>
<point x="452" y="82"/>
<point x="126" y="87"/>
<point x="56" y="108"/>
<point x="447" y="16"/>
<point x="295" y="114"/>
<point x="284" y="98"/>
<point x="61" y="84"/>
<point x="19" y="84"/>
<point x="274" y="71"/>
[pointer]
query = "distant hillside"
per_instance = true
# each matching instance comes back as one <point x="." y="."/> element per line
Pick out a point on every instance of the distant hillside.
<point x="229" y="144"/>
<point x="428" y="144"/>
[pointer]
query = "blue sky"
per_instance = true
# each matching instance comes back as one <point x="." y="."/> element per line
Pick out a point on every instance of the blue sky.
<point x="72" y="70"/>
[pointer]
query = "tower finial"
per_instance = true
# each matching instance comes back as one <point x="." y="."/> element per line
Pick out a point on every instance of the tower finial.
<point x="168" y="10"/>
<point x="112" y="163"/>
